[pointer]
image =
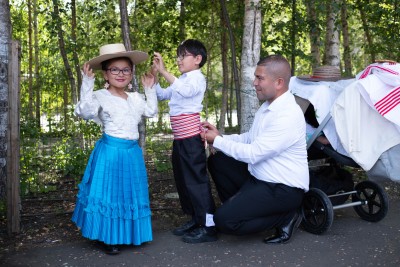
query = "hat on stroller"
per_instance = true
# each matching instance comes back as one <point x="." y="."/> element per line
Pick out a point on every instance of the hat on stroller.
<point x="323" y="74"/>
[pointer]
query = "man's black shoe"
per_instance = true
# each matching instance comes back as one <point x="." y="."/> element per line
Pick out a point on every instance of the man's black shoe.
<point x="185" y="228"/>
<point x="111" y="249"/>
<point x="200" y="235"/>
<point x="284" y="233"/>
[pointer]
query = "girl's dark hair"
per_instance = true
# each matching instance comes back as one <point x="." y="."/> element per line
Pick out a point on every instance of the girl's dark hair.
<point x="106" y="63"/>
<point x="194" y="47"/>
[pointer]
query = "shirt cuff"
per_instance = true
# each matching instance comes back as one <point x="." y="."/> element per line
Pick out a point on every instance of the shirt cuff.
<point x="218" y="141"/>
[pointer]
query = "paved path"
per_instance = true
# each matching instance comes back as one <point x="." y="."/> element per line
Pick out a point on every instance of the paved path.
<point x="350" y="242"/>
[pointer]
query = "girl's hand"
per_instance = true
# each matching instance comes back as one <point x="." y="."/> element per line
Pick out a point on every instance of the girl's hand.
<point x="87" y="70"/>
<point x="147" y="80"/>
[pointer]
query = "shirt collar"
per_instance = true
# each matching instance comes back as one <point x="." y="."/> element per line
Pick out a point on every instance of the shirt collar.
<point x="192" y="72"/>
<point x="276" y="104"/>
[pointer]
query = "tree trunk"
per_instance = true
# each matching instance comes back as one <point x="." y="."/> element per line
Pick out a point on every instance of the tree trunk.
<point x="314" y="34"/>
<point x="251" y="45"/>
<point x="346" y="40"/>
<point x="233" y="57"/>
<point x="5" y="39"/>
<point x="75" y="55"/>
<point x="9" y="123"/>
<point x="31" y="103"/>
<point x="37" y="64"/>
<point x="61" y="44"/>
<point x="332" y="44"/>
<point x="135" y="85"/>
<point x="293" y="37"/>
<point x="182" y="32"/>
<point x="225" y="75"/>
<point x="230" y="107"/>
<point x="370" y="49"/>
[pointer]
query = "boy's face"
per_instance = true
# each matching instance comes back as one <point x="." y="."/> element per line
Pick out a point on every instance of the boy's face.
<point x="188" y="62"/>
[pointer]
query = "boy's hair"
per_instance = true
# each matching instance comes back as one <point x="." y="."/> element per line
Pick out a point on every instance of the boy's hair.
<point x="194" y="47"/>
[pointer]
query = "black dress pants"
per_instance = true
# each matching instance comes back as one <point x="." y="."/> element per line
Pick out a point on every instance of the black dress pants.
<point x="250" y="205"/>
<point x="189" y="164"/>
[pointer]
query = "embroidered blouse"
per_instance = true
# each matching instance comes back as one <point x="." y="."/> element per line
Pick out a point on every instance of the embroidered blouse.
<point x="118" y="117"/>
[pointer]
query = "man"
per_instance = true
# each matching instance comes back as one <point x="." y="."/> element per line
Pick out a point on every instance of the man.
<point x="261" y="175"/>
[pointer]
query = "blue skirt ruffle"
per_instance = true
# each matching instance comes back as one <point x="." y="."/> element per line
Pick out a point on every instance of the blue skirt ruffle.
<point x="113" y="200"/>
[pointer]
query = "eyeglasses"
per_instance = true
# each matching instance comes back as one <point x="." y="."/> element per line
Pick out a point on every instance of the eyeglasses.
<point x="117" y="71"/>
<point x="181" y="57"/>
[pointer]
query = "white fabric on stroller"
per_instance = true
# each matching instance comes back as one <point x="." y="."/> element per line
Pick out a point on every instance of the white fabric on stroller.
<point x="322" y="95"/>
<point x="379" y="84"/>
<point x="356" y="130"/>
<point x="362" y="131"/>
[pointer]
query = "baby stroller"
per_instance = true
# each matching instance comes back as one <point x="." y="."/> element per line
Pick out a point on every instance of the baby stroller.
<point x="331" y="186"/>
<point x="368" y="198"/>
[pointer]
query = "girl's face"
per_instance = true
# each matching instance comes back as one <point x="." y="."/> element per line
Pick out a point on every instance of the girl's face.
<point x="118" y="73"/>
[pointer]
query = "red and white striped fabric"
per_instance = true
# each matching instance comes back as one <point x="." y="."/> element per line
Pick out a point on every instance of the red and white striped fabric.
<point x="185" y="125"/>
<point x="380" y="87"/>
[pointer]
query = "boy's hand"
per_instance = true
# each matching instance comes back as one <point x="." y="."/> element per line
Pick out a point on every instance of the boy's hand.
<point x="158" y="62"/>
<point x="158" y="65"/>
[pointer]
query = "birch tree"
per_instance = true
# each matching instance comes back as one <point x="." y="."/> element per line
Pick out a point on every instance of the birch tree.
<point x="332" y="43"/>
<point x="5" y="38"/>
<point x="251" y="45"/>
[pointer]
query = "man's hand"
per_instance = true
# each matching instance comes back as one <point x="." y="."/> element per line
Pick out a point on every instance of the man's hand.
<point x="210" y="132"/>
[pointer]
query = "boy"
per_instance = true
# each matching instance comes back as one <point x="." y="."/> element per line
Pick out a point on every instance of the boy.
<point x="188" y="153"/>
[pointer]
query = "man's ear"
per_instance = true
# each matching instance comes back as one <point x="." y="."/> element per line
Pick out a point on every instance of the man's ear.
<point x="280" y="82"/>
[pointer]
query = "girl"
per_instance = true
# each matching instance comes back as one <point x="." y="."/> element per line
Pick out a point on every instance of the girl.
<point x="113" y="201"/>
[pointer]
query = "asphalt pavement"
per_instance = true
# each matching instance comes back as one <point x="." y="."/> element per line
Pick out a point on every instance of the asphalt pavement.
<point x="350" y="241"/>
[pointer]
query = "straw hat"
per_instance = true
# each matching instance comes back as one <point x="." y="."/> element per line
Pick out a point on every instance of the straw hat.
<point x="113" y="51"/>
<point x="323" y="73"/>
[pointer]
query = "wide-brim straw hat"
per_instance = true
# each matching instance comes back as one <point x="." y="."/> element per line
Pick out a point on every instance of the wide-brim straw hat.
<point x="323" y="73"/>
<point x="111" y="51"/>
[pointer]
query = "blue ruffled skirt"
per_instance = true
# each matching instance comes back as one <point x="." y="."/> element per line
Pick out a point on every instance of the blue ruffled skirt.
<point x="113" y="200"/>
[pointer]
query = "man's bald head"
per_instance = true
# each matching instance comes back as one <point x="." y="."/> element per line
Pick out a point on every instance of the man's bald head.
<point x="278" y="67"/>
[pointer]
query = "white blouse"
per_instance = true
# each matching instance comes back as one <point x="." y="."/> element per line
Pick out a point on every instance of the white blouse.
<point x="117" y="116"/>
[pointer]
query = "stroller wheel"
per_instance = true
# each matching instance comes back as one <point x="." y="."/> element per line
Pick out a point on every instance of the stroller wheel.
<point x="317" y="212"/>
<point x="376" y="202"/>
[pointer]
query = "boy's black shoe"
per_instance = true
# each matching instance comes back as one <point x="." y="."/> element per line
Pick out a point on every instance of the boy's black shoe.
<point x="201" y="234"/>
<point x="185" y="228"/>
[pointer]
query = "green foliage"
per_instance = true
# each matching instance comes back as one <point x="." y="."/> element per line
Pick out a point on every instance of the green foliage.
<point x="158" y="151"/>
<point x="68" y="158"/>
<point x="61" y="145"/>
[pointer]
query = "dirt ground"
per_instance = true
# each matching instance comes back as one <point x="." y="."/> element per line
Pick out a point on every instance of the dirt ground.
<point x="46" y="218"/>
